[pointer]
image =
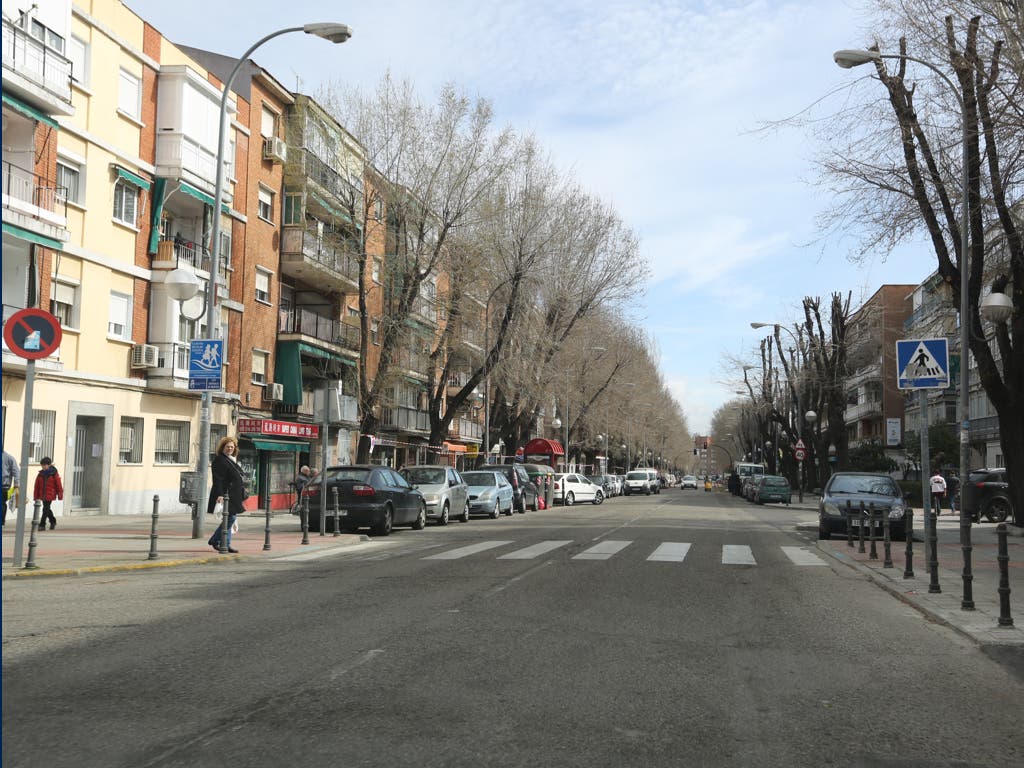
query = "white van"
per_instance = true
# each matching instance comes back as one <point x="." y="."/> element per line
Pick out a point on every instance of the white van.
<point x="642" y="480"/>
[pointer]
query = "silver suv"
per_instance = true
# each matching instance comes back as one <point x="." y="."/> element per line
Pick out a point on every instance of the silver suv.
<point x="443" y="488"/>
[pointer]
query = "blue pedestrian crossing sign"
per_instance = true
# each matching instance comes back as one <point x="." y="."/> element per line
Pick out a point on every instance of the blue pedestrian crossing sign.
<point x="206" y="364"/>
<point x="922" y="364"/>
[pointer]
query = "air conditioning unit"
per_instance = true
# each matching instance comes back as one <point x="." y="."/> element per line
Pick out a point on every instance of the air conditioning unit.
<point x="275" y="150"/>
<point x="273" y="392"/>
<point x="145" y="356"/>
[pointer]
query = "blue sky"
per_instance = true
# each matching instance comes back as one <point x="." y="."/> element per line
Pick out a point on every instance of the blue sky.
<point x="654" y="105"/>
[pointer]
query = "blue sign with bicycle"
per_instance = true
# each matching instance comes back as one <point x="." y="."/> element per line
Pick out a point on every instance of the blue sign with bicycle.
<point x="206" y="364"/>
<point x="922" y="364"/>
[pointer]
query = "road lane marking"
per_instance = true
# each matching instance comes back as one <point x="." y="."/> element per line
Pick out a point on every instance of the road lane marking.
<point x="603" y="550"/>
<point x="802" y="556"/>
<point x="535" y="551"/>
<point x="670" y="552"/>
<point x="737" y="554"/>
<point x="472" y="549"/>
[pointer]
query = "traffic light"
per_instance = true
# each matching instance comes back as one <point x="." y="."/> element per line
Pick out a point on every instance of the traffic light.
<point x="705" y="443"/>
<point x="694" y="451"/>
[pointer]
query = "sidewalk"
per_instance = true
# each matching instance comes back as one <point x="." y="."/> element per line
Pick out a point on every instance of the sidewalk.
<point x="982" y="624"/>
<point x="95" y="544"/>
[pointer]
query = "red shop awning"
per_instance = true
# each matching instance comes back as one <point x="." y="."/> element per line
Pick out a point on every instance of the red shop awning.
<point x="540" y="445"/>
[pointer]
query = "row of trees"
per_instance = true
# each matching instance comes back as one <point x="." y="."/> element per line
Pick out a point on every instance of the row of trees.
<point x="520" y="252"/>
<point x="894" y="166"/>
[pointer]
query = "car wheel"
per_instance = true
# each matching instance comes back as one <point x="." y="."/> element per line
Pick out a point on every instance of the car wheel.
<point x="465" y="514"/>
<point x="997" y="510"/>
<point x="570" y="499"/>
<point x="383" y="528"/>
<point x="598" y="498"/>
<point x="522" y="505"/>
<point x="421" y="518"/>
<point x="536" y="504"/>
<point x="496" y="511"/>
<point x="511" y="509"/>
<point x="444" y="515"/>
<point x="648" y="492"/>
<point x="824" y="532"/>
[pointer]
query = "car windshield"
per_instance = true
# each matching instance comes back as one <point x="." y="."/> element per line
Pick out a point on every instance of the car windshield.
<point x="636" y="476"/>
<point x="479" y="478"/>
<point x="346" y="473"/>
<point x="779" y="482"/>
<point x="424" y="475"/>
<point x="878" y="486"/>
<point x="595" y="479"/>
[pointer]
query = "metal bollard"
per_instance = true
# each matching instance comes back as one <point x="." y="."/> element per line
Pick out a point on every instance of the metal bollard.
<point x="30" y="564"/>
<point x="323" y="514"/>
<point x="152" y="531"/>
<point x="849" y="528"/>
<point x="933" y="561"/>
<point x="1005" y="620"/>
<point x="860" y="544"/>
<point x="872" y="536"/>
<point x="223" y="544"/>
<point x="967" y="548"/>
<point x="886" y="540"/>
<point x="337" y="511"/>
<point x="305" y="519"/>
<point x="908" y="568"/>
<point x="266" y="530"/>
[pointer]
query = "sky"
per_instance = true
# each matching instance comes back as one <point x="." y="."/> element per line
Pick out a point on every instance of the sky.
<point x="655" y="106"/>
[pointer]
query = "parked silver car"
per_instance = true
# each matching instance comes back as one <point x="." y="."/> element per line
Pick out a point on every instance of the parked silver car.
<point x="446" y="493"/>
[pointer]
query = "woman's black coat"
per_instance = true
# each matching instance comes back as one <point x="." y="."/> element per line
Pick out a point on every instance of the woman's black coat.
<point x="227" y="481"/>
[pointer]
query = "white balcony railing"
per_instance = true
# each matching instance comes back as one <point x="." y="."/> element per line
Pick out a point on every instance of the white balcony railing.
<point x="34" y="61"/>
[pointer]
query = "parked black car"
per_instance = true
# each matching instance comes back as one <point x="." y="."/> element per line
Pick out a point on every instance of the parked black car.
<point x="987" y="495"/>
<point x="369" y="496"/>
<point x="855" y="488"/>
<point x="524" y="492"/>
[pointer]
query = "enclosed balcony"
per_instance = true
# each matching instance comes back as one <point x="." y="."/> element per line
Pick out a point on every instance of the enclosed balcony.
<point x="35" y="73"/>
<point x="465" y="429"/>
<point x="318" y="258"/>
<point x="405" y="419"/>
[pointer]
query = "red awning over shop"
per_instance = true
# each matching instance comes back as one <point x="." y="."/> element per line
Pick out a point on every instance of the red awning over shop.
<point x="455" y="448"/>
<point x="540" y="445"/>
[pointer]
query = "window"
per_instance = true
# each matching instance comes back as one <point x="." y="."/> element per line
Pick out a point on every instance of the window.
<point x="260" y="358"/>
<point x="64" y="305"/>
<point x="119" y="325"/>
<point x="377" y="269"/>
<point x="40" y="441"/>
<point x="268" y="123"/>
<point x="69" y="176"/>
<point x="126" y="202"/>
<point x="131" y="440"/>
<point x="266" y="205"/>
<point x="217" y="433"/>
<point x="171" y="442"/>
<point x="129" y="95"/>
<point x="375" y="332"/>
<point x="353" y="311"/>
<point x="293" y="210"/>
<point x="262" y="285"/>
<point x="78" y="53"/>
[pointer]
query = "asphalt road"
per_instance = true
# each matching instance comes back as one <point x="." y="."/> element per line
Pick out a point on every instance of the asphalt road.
<point x="683" y="629"/>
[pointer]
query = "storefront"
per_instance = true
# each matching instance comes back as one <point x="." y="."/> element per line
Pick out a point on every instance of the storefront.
<point x="271" y="452"/>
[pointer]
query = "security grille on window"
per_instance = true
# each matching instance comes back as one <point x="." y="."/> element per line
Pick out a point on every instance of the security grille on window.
<point x="126" y="202"/>
<point x="171" y="442"/>
<point x="131" y="440"/>
<point x="266" y="205"/>
<point x="119" y="325"/>
<point x="40" y="440"/>
<point x="262" y="285"/>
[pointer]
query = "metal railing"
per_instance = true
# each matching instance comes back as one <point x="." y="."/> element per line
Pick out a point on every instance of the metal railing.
<point x="465" y="428"/>
<point x="409" y="419"/>
<point x="28" y="187"/>
<point x="186" y="253"/>
<point x="309" y="323"/>
<point x="33" y="60"/>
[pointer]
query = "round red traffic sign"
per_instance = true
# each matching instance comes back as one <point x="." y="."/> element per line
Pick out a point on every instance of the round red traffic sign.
<point x="32" y="333"/>
<point x="800" y="454"/>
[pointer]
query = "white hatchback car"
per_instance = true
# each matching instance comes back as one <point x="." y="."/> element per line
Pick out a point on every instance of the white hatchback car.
<point x="571" y="487"/>
<point x="689" y="481"/>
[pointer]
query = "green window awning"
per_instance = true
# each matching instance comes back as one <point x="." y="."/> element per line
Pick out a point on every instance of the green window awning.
<point x="198" y="194"/>
<point x="132" y="178"/>
<point x="159" y="190"/>
<point x="29" y="111"/>
<point x="33" y="237"/>
<point x="281" y="445"/>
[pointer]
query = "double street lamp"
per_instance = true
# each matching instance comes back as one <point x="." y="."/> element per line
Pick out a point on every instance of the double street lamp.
<point x="179" y="285"/>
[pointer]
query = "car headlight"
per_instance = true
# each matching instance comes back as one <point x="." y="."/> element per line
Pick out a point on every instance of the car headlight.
<point x="430" y="498"/>
<point x="896" y="512"/>
<point x="832" y="509"/>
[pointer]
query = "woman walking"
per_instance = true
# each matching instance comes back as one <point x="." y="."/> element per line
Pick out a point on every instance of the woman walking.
<point x="227" y="480"/>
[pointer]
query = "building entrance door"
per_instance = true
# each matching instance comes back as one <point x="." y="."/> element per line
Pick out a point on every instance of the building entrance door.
<point x="87" y="469"/>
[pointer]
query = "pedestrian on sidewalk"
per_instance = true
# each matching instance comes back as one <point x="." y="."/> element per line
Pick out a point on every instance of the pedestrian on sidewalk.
<point x="48" y="488"/>
<point x="938" y="489"/>
<point x="11" y="473"/>
<point x="227" y="479"/>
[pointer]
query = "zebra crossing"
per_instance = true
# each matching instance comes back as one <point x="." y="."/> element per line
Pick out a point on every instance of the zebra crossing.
<point x="665" y="552"/>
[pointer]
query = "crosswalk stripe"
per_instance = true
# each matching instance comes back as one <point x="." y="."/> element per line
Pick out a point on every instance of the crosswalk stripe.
<point x="535" y="551"/>
<point x="801" y="556"/>
<point x="737" y="554"/>
<point x="670" y="552"/>
<point x="472" y="549"/>
<point x="603" y="550"/>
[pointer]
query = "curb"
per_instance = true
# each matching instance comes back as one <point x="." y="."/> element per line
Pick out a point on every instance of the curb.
<point x="33" y="574"/>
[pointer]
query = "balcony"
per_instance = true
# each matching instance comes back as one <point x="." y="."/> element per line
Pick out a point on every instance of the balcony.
<point x="306" y="410"/>
<point x="866" y="410"/>
<point x="405" y="419"/>
<point x="309" y="257"/>
<point x="413" y="362"/>
<point x="984" y="428"/>
<point x="465" y="429"/>
<point x="35" y="202"/>
<point x="172" y="254"/>
<point x="313" y="326"/>
<point x="35" y="73"/>
<point x="335" y="185"/>
<point x="868" y="373"/>
<point x="929" y="311"/>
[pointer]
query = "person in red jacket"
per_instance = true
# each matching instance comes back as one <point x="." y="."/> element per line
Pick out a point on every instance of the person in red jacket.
<point x="48" y="487"/>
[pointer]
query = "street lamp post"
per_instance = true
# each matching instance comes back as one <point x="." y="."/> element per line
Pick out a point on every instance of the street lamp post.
<point x="847" y="59"/>
<point x="335" y="33"/>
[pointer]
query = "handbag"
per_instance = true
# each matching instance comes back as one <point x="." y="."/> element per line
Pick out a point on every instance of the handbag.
<point x="218" y="509"/>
